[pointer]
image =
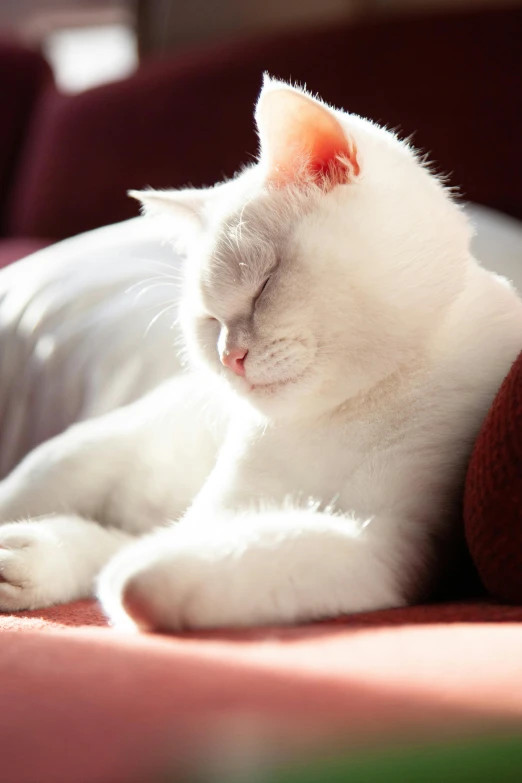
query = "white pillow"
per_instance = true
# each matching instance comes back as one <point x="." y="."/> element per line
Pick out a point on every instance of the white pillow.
<point x="498" y="242"/>
<point x="80" y="332"/>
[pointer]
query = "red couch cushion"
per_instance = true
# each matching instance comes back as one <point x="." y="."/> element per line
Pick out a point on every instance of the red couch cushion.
<point x="493" y="496"/>
<point x="94" y="705"/>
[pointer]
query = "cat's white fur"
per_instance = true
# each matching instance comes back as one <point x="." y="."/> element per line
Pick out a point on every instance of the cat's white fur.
<point x="318" y="483"/>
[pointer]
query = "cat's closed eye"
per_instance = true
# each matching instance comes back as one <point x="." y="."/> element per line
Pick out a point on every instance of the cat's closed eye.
<point x="257" y="296"/>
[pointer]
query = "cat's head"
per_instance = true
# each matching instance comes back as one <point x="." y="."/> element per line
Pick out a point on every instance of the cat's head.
<point x="324" y="268"/>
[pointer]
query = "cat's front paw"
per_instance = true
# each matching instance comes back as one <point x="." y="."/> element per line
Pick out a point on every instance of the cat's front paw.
<point x="34" y="571"/>
<point x="155" y="587"/>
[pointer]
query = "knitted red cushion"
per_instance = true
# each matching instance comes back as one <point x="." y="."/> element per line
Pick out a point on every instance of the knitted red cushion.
<point x="493" y="495"/>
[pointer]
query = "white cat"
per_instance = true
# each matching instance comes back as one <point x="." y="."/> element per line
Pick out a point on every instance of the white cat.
<point x="344" y="348"/>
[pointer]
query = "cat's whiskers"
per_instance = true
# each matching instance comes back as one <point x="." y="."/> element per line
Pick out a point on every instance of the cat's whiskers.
<point x="156" y="264"/>
<point x="164" y="278"/>
<point x="156" y="318"/>
<point x="228" y="242"/>
<point x="151" y="287"/>
<point x="182" y="352"/>
<point x="238" y="228"/>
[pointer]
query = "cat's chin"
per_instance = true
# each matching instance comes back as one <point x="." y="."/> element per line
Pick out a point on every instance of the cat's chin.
<point x="268" y="389"/>
<point x="278" y="398"/>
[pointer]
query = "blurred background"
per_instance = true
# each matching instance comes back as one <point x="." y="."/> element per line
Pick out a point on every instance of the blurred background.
<point x="99" y="96"/>
<point x="89" y="42"/>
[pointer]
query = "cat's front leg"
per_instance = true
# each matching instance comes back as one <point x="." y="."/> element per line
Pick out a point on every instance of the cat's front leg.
<point x="133" y="468"/>
<point x="69" y="473"/>
<point x="255" y="569"/>
<point x="53" y="560"/>
<point x="130" y="471"/>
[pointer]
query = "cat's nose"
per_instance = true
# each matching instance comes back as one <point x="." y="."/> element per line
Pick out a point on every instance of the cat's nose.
<point x="234" y="360"/>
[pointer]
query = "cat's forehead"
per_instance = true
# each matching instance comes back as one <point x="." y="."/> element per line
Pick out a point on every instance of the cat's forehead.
<point x="248" y="241"/>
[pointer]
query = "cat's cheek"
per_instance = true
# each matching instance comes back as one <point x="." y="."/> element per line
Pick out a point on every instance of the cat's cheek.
<point x="200" y="336"/>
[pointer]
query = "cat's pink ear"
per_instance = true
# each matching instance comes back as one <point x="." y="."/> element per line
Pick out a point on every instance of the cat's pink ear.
<point x="301" y="139"/>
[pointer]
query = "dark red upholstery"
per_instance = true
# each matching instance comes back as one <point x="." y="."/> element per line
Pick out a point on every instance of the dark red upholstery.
<point x="24" y="75"/>
<point x="14" y="248"/>
<point x="451" y="78"/>
<point x="493" y="498"/>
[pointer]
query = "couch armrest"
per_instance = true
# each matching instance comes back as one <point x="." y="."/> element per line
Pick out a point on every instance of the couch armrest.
<point x="23" y="75"/>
